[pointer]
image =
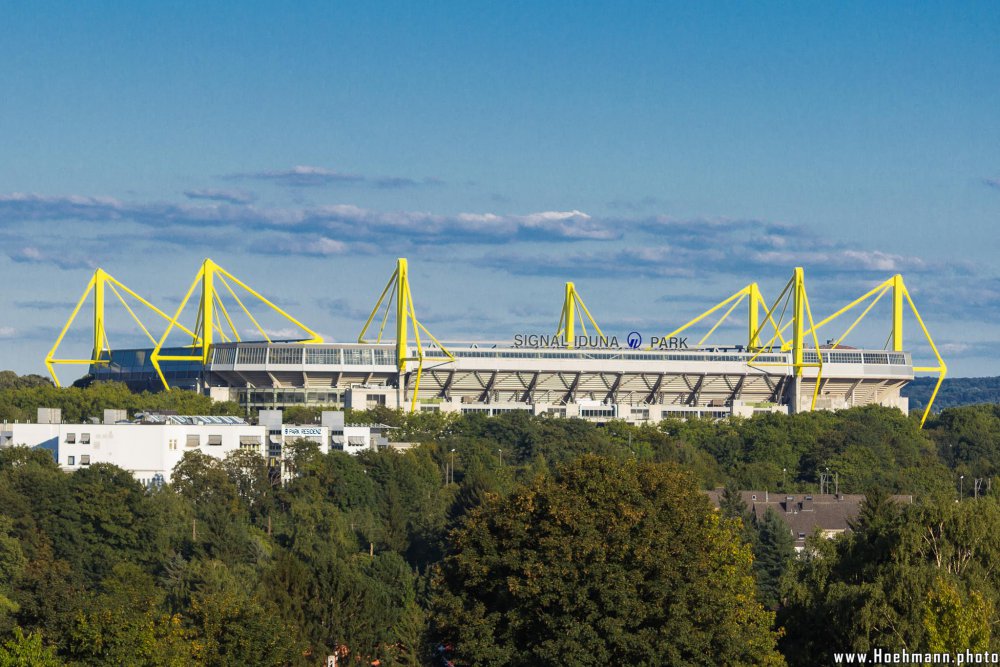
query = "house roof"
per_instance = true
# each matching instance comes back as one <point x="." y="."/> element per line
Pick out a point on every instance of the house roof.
<point x="803" y="513"/>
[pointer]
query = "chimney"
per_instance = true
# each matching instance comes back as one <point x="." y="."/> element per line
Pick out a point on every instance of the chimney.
<point x="807" y="504"/>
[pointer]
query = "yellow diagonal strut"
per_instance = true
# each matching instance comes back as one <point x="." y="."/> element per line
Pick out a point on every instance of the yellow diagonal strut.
<point x="398" y="290"/>
<point x="207" y="324"/>
<point x="101" y="350"/>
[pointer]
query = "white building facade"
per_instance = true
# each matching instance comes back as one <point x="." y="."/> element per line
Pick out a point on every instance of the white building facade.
<point x="150" y="451"/>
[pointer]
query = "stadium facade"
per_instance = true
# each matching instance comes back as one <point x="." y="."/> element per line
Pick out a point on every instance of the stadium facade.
<point x="594" y="383"/>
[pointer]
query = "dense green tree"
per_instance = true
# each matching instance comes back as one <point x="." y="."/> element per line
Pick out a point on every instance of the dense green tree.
<point x="123" y="622"/>
<point x="894" y="581"/>
<point x="953" y="624"/>
<point x="774" y="551"/>
<point x="115" y="519"/>
<point x="231" y="624"/>
<point x="554" y="556"/>
<point x="609" y="562"/>
<point x="27" y="651"/>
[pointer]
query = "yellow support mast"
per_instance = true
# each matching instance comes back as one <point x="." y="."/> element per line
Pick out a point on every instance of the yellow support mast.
<point x="208" y="323"/>
<point x="99" y="284"/>
<point x="397" y="291"/>
<point x="794" y="294"/>
<point x="753" y="315"/>
<point x="567" y="319"/>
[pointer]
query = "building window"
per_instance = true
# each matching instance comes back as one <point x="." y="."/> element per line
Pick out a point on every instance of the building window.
<point x="250" y="442"/>
<point x="85" y="460"/>
<point x="71" y="460"/>
<point x="193" y="440"/>
<point x="215" y="439"/>
<point x="84" y="438"/>
<point x="71" y="438"/>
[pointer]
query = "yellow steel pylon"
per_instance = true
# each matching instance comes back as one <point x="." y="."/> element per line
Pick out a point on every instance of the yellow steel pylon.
<point x="900" y="296"/>
<point x="569" y="315"/>
<point x="398" y="290"/>
<point x="99" y="283"/>
<point x="208" y="324"/>
<point x="794" y="294"/>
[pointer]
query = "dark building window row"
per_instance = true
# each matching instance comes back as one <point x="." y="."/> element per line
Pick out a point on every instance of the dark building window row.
<point x="299" y="355"/>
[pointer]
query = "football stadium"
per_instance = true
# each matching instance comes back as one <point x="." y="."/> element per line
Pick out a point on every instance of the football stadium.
<point x="779" y="365"/>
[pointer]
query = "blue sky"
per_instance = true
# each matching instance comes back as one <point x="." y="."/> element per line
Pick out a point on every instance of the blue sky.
<point x="661" y="155"/>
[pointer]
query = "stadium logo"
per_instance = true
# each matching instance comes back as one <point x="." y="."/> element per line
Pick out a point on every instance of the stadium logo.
<point x="634" y="340"/>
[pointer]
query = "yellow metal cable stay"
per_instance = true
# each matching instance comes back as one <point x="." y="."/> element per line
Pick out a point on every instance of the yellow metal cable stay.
<point x="98" y="285"/>
<point x="208" y="324"/>
<point x="751" y="295"/>
<point x="397" y="291"/>
<point x="900" y="296"/>
<point x="574" y="309"/>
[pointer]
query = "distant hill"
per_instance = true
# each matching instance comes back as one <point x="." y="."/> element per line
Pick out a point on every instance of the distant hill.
<point x="954" y="392"/>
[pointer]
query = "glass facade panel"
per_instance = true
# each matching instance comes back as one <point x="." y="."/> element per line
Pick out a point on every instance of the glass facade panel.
<point x="287" y="356"/>
<point x="385" y="357"/>
<point x="322" y="356"/>
<point x="251" y="355"/>
<point x="356" y="357"/>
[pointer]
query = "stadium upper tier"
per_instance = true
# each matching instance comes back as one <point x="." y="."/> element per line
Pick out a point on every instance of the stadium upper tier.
<point x="599" y="383"/>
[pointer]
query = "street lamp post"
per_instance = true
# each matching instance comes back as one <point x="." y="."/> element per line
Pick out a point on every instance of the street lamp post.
<point x="452" y="466"/>
<point x="500" y="451"/>
<point x="961" y="486"/>
<point x="784" y="475"/>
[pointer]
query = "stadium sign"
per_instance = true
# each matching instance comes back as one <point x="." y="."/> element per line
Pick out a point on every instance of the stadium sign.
<point x="633" y="341"/>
